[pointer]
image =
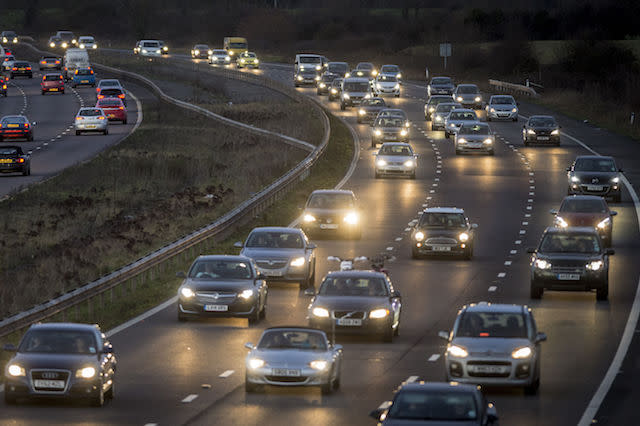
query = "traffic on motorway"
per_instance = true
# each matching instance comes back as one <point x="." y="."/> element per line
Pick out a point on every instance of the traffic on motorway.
<point x="489" y="345"/>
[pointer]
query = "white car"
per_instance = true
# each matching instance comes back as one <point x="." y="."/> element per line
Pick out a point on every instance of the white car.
<point x="387" y="85"/>
<point x="87" y="42"/>
<point x="91" y="120"/>
<point x="395" y="159"/>
<point x="150" y="48"/>
<point x="7" y="63"/>
<point x="502" y="107"/>
<point x="475" y="137"/>
<point x="219" y="57"/>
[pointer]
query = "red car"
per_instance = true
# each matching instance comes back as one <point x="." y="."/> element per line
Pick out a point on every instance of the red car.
<point x="114" y="92"/>
<point x="113" y="108"/>
<point x="52" y="83"/>
<point x="3" y="86"/>
<point x="15" y="126"/>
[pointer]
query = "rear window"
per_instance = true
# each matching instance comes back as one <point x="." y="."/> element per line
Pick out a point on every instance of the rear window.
<point x="111" y="92"/>
<point x="21" y="64"/>
<point x="109" y="103"/>
<point x="8" y="151"/>
<point x="90" y="112"/>
<point x="13" y="120"/>
<point x="52" y="78"/>
<point x="441" y="81"/>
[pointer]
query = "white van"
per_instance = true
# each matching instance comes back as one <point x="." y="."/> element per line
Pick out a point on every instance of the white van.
<point x="73" y="58"/>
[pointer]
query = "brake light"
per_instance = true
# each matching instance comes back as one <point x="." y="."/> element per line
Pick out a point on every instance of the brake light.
<point x="97" y="89"/>
<point x="101" y="117"/>
<point x="43" y="62"/>
<point x="4" y="86"/>
<point x="57" y="62"/>
<point x="100" y="96"/>
<point x="15" y="68"/>
<point x="26" y="125"/>
<point x="484" y="334"/>
<point x="91" y="71"/>
<point x="76" y="72"/>
<point x="20" y="160"/>
<point x="28" y="68"/>
<point x="121" y="95"/>
<point x="60" y="77"/>
<point x="79" y="118"/>
<point x="121" y="107"/>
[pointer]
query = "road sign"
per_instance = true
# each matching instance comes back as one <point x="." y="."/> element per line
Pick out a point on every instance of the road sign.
<point x="445" y="50"/>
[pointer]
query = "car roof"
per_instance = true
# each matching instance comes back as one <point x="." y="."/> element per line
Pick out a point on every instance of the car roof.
<point x="468" y="85"/>
<point x="494" y="307"/>
<point x="571" y="230"/>
<point x="443" y="210"/>
<point x="437" y="386"/>
<point x="12" y="146"/>
<point x="65" y="326"/>
<point x="607" y="157"/>
<point x="277" y="229"/>
<point x="583" y="197"/>
<point x="150" y="39"/>
<point x="477" y="123"/>
<point x="336" y="62"/>
<point x="333" y="191"/>
<point x="293" y="327"/>
<point x="357" y="273"/>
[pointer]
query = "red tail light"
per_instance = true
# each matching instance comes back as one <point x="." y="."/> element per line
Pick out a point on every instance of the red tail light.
<point x="91" y="71"/>
<point x="57" y="62"/>
<point x="121" y="108"/>
<point x="60" y="77"/>
<point x="76" y="72"/>
<point x="101" y="117"/>
<point x="26" y="125"/>
<point x="100" y="96"/>
<point x="15" y="68"/>
<point x="4" y="86"/>
<point x="28" y="68"/>
<point x="97" y="89"/>
<point x="121" y="95"/>
<point x="20" y="160"/>
<point x="43" y="62"/>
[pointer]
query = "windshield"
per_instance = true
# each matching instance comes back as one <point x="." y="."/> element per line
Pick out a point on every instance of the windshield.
<point x="463" y="116"/>
<point x="390" y="68"/>
<point x="373" y="102"/>
<point x="293" y="339"/>
<point x="352" y="86"/>
<point x="201" y="47"/>
<point x="432" y="405"/>
<point x="337" y="68"/>
<point x="570" y="243"/>
<point x="364" y="66"/>
<point x="150" y="44"/>
<point x="467" y="89"/>
<point x="238" y="45"/>
<point x="310" y="60"/>
<point x="489" y="324"/>
<point x="542" y="122"/>
<point x="8" y="151"/>
<point x="441" y="81"/>
<point x="266" y="239"/>
<point x="474" y="129"/>
<point x="86" y="39"/>
<point x="443" y="220"/>
<point x="331" y="201"/>
<point x="337" y="82"/>
<point x="445" y="107"/>
<point x="219" y="52"/>
<point x="388" y="78"/>
<point x="218" y="269"/>
<point x="389" y="122"/>
<point x="90" y="112"/>
<point x="583" y="206"/>
<point x="52" y="77"/>
<point x="9" y="34"/>
<point x="503" y="100"/>
<point x="388" y="149"/>
<point x="595" y="165"/>
<point x="353" y="286"/>
<point x="65" y="34"/>
<point x="328" y="77"/>
<point x="393" y="113"/>
<point x="59" y="341"/>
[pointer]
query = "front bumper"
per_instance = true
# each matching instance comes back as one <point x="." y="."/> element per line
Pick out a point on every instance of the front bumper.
<point x="387" y="91"/>
<point x="218" y="61"/>
<point x="583" y="280"/>
<point x="306" y="79"/>
<point x="606" y="190"/>
<point x="22" y="387"/>
<point x="369" y="326"/>
<point x="307" y="377"/>
<point x="426" y="248"/>
<point x="542" y="139"/>
<point x="491" y="371"/>
<point x="285" y="274"/>
<point x="323" y="227"/>
<point x="13" y="167"/>
<point x="197" y="308"/>
<point x="396" y="170"/>
<point x="502" y="115"/>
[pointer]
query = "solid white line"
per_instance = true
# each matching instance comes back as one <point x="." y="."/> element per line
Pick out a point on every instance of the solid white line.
<point x="389" y="248"/>
<point x="398" y="238"/>
<point x="412" y="379"/>
<point x="151" y="424"/>
<point x="434" y="357"/>
<point x="189" y="398"/>
<point x="518" y="241"/>
<point x="226" y="374"/>
<point x="493" y="288"/>
<point x="522" y="232"/>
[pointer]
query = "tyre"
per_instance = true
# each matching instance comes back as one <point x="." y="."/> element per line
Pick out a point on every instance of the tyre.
<point x="377" y="175"/>
<point x="446" y="135"/>
<point x="30" y="138"/>
<point x="254" y="318"/>
<point x="491" y="153"/>
<point x="106" y="132"/>
<point x="602" y="293"/>
<point x="536" y="292"/>
<point x="515" y="119"/>
<point x="373" y="143"/>
<point x="43" y="93"/>
<point x="458" y="152"/>
<point x="532" y="389"/>
<point x="398" y="95"/>
<point x="329" y="387"/>
<point x="468" y="253"/>
<point x="526" y="143"/>
<point x="488" y="118"/>
<point x="9" y="398"/>
<point x="414" y="253"/>
<point x="250" y="387"/>
<point x="26" y="172"/>
<point x="124" y="121"/>
<point x="311" y="281"/>
<point x="62" y="91"/>
<point x="617" y="198"/>
<point x="359" y="121"/>
<point x="433" y="129"/>
<point x="98" y="399"/>
<point x="413" y="176"/>
<point x="78" y="132"/>
<point x="396" y="331"/>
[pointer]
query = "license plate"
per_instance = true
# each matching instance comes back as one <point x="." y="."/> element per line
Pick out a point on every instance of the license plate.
<point x="569" y="277"/>
<point x="328" y="226"/>
<point x="389" y="137"/>
<point x="491" y="369"/>
<point x="50" y="384"/>
<point x="271" y="273"/>
<point x="6" y="160"/>
<point x="543" y="138"/>
<point x="20" y="69"/>
<point x="13" y="125"/>
<point x="53" y="90"/>
<point x="91" y="126"/>
<point x="475" y="145"/>
<point x="440" y="248"/>
<point x="285" y="372"/>
<point x="351" y="322"/>
<point x="84" y="81"/>
<point x="595" y="187"/>
<point x="216" y="308"/>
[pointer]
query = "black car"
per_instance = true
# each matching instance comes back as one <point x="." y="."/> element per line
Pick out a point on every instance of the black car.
<point x="443" y="231"/>
<point x="440" y="86"/>
<point x="324" y="84"/>
<point x="222" y="286"/>
<point x="336" y="89"/>
<point x="361" y="73"/>
<point x="542" y="129"/>
<point x="16" y="127"/>
<point x="50" y="63"/>
<point x="13" y="160"/>
<point x="357" y="302"/>
<point x="3" y="86"/>
<point x="61" y="360"/>
<point x="595" y="175"/>
<point x="115" y="92"/>
<point x="338" y="69"/>
<point x="369" y="109"/>
<point x="433" y="403"/>
<point x="21" y="69"/>
<point x="572" y="258"/>
<point x="432" y="104"/>
<point x="332" y="212"/>
<point x="55" y="41"/>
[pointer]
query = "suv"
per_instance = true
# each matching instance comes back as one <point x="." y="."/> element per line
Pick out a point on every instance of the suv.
<point x="332" y="211"/>
<point x="595" y="175"/>
<point x="443" y="231"/>
<point x="354" y="90"/>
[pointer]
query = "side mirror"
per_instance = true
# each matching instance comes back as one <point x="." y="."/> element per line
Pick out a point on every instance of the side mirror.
<point x="620" y="170"/>
<point x="540" y="337"/>
<point x="474" y="225"/>
<point x="613" y="213"/>
<point x="312" y="246"/>
<point x="610" y="252"/>
<point x="553" y="211"/>
<point x="181" y="274"/>
<point x="238" y="244"/>
<point x="531" y="250"/>
<point x="310" y="291"/>
<point x="395" y="294"/>
<point x="337" y="347"/>
<point x="10" y="347"/>
<point x="248" y="345"/>
<point x="443" y="335"/>
<point x="492" y="414"/>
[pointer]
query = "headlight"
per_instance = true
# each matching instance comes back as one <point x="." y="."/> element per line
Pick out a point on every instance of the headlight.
<point x="318" y="67"/>
<point x="242" y="61"/>
<point x="298" y="261"/>
<point x="409" y="163"/>
<point x="95" y="46"/>
<point x="478" y="99"/>
<point x="407" y="124"/>
<point x="531" y="132"/>
<point x="561" y="222"/>
<point x="255" y="363"/>
<point x="209" y="52"/>
<point x="347" y="75"/>
<point x="187" y="292"/>
<point x="397" y="87"/>
<point x="575" y="179"/>
<point x="522" y="353"/>
<point x="419" y="236"/>
<point x="82" y="46"/>
<point x="322" y="85"/>
<point x="362" y="112"/>
<point x="299" y="78"/>
<point x="457" y="351"/>
<point x="317" y="78"/>
<point x="319" y="365"/>
<point x="227" y="58"/>
<point x="86" y="373"/>
<point x="144" y="50"/>
<point x="374" y="73"/>
<point x="309" y="218"/>
<point x="555" y="132"/>
<point x="64" y="45"/>
<point x="542" y="264"/>
<point x="488" y="141"/>
<point x="398" y="75"/>
<point x="231" y="53"/>
<point x="334" y="91"/>
<point x="381" y="163"/>
<point x="367" y="96"/>
<point x="197" y="52"/>
<point x="379" y="86"/>
<point x="452" y="125"/>
<point x="615" y="180"/>
<point x="320" y="312"/>
<point x="438" y="118"/>
<point x="514" y="110"/>
<point x="351" y="218"/>
<point x="463" y="237"/>
<point x="74" y="41"/>
<point x="52" y="44"/>
<point x="604" y="223"/>
<point x="403" y="132"/>
<point x="493" y="110"/>
<point x="257" y="61"/>
<point x="346" y="96"/>
<point x="165" y="48"/>
<point x="596" y="265"/>
<point x="379" y="313"/>
<point x="246" y="294"/>
<point x="462" y="141"/>
<point x="378" y="132"/>
<point x="459" y="98"/>
<point x="431" y="109"/>
<point x="16" y="371"/>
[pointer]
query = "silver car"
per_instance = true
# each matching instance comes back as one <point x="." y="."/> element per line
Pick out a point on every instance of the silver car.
<point x="475" y="137"/>
<point x="395" y="159"/>
<point x="494" y="344"/>
<point x="150" y="48"/>
<point x="456" y="119"/>
<point x="468" y="95"/>
<point x="387" y="85"/>
<point x="441" y="113"/>
<point x="502" y="107"/>
<point x="293" y="356"/>
<point x="91" y="120"/>
<point x="388" y="128"/>
<point x="87" y="42"/>
<point x="440" y="86"/>
<point x="219" y="57"/>
<point x="391" y="70"/>
<point x="281" y="254"/>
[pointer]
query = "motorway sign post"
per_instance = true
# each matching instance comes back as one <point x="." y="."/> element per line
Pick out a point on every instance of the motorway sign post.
<point x="445" y="52"/>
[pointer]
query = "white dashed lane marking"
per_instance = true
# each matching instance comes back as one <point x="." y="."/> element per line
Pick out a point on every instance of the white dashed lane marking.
<point x="492" y="288"/>
<point x="434" y="357"/>
<point x="226" y="374"/>
<point x="189" y="398"/>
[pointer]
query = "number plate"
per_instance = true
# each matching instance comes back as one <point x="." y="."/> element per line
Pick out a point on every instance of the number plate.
<point x="491" y="369"/>
<point x="569" y="277"/>
<point x="328" y="226"/>
<point x="475" y="145"/>
<point x="216" y="308"/>
<point x="20" y="69"/>
<point x="440" y="248"/>
<point x="595" y="187"/>
<point x="285" y="372"/>
<point x="13" y="125"/>
<point x="543" y="138"/>
<point x="53" y="90"/>
<point x="351" y="322"/>
<point x="51" y="384"/>
<point x="91" y="126"/>
<point x="84" y="81"/>
<point x="271" y="273"/>
<point x="6" y="160"/>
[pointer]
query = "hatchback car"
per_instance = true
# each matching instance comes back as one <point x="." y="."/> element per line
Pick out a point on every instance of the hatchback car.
<point x="219" y="57"/>
<point x="468" y="95"/>
<point x="391" y="71"/>
<point x="55" y="41"/>
<point x="324" y="84"/>
<point x="293" y="356"/>
<point x="388" y="129"/>
<point x="387" y="85"/>
<point x="61" y="360"/>
<point x="586" y="210"/>
<point x="248" y="60"/>
<point x="14" y="160"/>
<point x="441" y="113"/>
<point x="222" y="286"/>
<point x="354" y="91"/>
<point x="494" y="345"/>
<point x="118" y="93"/>
<point x="443" y="231"/>
<point x="21" y="69"/>
<point x="432" y="104"/>
<point x="456" y="119"/>
<point x="91" y="120"/>
<point x="281" y="254"/>
<point x="337" y="68"/>
<point x="357" y="302"/>
<point x="502" y="107"/>
<point x="87" y="42"/>
<point x="543" y="129"/>
<point x="9" y="37"/>
<point x="150" y="48"/>
<point x="595" y="175"/>
<point x="571" y="258"/>
<point x="16" y="127"/>
<point x="440" y="86"/>
<point x="369" y="109"/>
<point x="50" y="63"/>
<point x="201" y="51"/>
<point x="113" y="109"/>
<point x="83" y="76"/>
<point x="336" y="89"/>
<point x="52" y="83"/>
<point x="475" y="137"/>
<point x="395" y="159"/>
<point x="330" y="211"/>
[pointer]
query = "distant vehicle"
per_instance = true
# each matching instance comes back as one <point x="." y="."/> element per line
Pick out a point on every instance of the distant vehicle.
<point x="7" y="63"/>
<point x="150" y="48"/>
<point x="323" y="85"/>
<point x="235" y="46"/>
<point x="114" y="92"/>
<point x="443" y="231"/>
<point x="108" y="83"/>
<point x="50" y="63"/>
<point x="335" y="91"/>
<point x="572" y="258"/>
<point x="163" y="47"/>
<point x="16" y="127"/>
<point x="91" y="120"/>
<point x="337" y="68"/>
<point x="55" y="41"/>
<point x="391" y="71"/>
<point x="494" y="344"/>
<point x="3" y="86"/>
<point x="475" y="137"/>
<point x="61" y="360"/>
<point x="83" y="76"/>
<point x="307" y="68"/>
<point x="388" y="129"/>
<point x="369" y="109"/>
<point x="9" y="37"/>
<point x="440" y="86"/>
<point x="332" y="212"/>
<point x="219" y="57"/>
<point x="456" y="119"/>
<point x="14" y="160"/>
<point x="432" y="103"/>
<point x="468" y="95"/>
<point x="502" y="107"/>
<point x="395" y="159"/>
<point x="87" y="42"/>
<point x="293" y="356"/>
<point x="201" y="51"/>
<point x="586" y="210"/>
<point x="387" y="85"/>
<point x="114" y="109"/>
<point x="136" y="48"/>
<point x="74" y="58"/>
<point x="21" y="69"/>
<point x="541" y="129"/>
<point x="68" y="39"/>
<point x="52" y="82"/>
<point x="441" y="113"/>
<point x="367" y="66"/>
<point x="354" y="91"/>
<point x="395" y="112"/>
<point x="368" y="74"/>
<point x="222" y="286"/>
<point x="595" y="175"/>
<point x="248" y="60"/>
<point x="436" y="404"/>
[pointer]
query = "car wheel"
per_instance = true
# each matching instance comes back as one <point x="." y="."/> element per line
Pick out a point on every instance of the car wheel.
<point x="250" y="387"/>
<point x="359" y="121"/>
<point x="373" y="143"/>
<point x="106" y="132"/>
<point x="413" y="176"/>
<point x="536" y="292"/>
<point x="617" y="198"/>
<point x="311" y="281"/>
<point x="62" y="92"/>
<point x="569" y="191"/>
<point x="398" y="95"/>
<point x="9" y="398"/>
<point x="78" y="132"/>
<point x="30" y="138"/>
<point x="111" y="392"/>
<point x="25" y="172"/>
<point x="468" y="252"/>
<point x="458" y="152"/>
<point x="377" y="175"/>
<point x="488" y="118"/>
<point x="558" y="143"/>
<point x="255" y="316"/>
<point x="98" y="399"/>
<point x="602" y="293"/>
<point x="491" y="153"/>
<point x="526" y="143"/>
<point x="446" y="135"/>
<point x="43" y="93"/>
<point x="396" y="331"/>
<point x="387" y="336"/>
<point x="532" y="389"/>
<point x="124" y="121"/>
<point x="328" y="387"/>
<point x="515" y="119"/>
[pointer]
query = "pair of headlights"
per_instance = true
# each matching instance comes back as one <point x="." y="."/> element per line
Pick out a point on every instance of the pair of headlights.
<point x="487" y="141"/>
<point x="351" y="218"/>
<point x="187" y="293"/>
<point x="603" y="224"/>
<point x="544" y="264"/>
<point x="375" y="313"/>
<point x="320" y="365"/>
<point x="408" y="163"/>
<point x="461" y="352"/>
<point x="420" y="236"/>
<point x="85" y="373"/>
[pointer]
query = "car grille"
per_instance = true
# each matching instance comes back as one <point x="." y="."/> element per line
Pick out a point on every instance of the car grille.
<point x="441" y="240"/>
<point x="286" y="379"/>
<point x="271" y="264"/>
<point x="543" y="133"/>
<point x="354" y="315"/>
<point x="215" y="295"/>
<point x="391" y="134"/>
<point x="328" y="219"/>
<point x="50" y="375"/>
<point x="568" y="269"/>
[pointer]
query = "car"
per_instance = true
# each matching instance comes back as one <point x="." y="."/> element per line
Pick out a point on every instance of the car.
<point x="91" y="120"/>
<point x="87" y="42"/>
<point x="112" y="92"/>
<point x="61" y="361"/>
<point x="16" y="127"/>
<point x="335" y="91"/>
<point x="248" y="60"/>
<point x="222" y="286"/>
<point x="235" y="45"/>
<point x="3" y="86"/>
<point x="541" y="129"/>
<point x="468" y="95"/>
<point x="281" y="254"/>
<point x="332" y="211"/>
<point x="14" y="160"/>
<point x="70" y="67"/>
<point x="437" y="404"/>
<point x="595" y="175"/>
<point x="395" y="159"/>
<point x="50" y="63"/>
<point x="388" y="129"/>
<point x="9" y="37"/>
<point x="354" y="91"/>
<point x="84" y="76"/>
<point x="440" y="114"/>
<point x="571" y="258"/>
<point x="395" y="112"/>
<point x="443" y="231"/>
<point x="323" y="85"/>
<point x="391" y="71"/>
<point x="339" y="69"/>
<point x="7" y="63"/>
<point x="432" y="103"/>
<point x="369" y="109"/>
<point x="368" y="74"/>
<point x="502" y="107"/>
<point x="6" y="50"/>
<point x="586" y="210"/>
<point x="357" y="302"/>
<point x="108" y="83"/>
<point x="151" y="48"/>
<point x="21" y="69"/>
<point x="293" y="356"/>
<point x="456" y="119"/>
<point x="307" y="68"/>
<point x="367" y="67"/>
<point x="475" y="137"/>
<point x="305" y="76"/>
<point x="494" y="344"/>
<point x="55" y="41"/>
<point x="52" y="82"/>
<point x="201" y="51"/>
<point x="163" y="47"/>
<point x="67" y="39"/>
<point x="440" y="86"/>
<point x="113" y="108"/>
<point x="386" y="84"/>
